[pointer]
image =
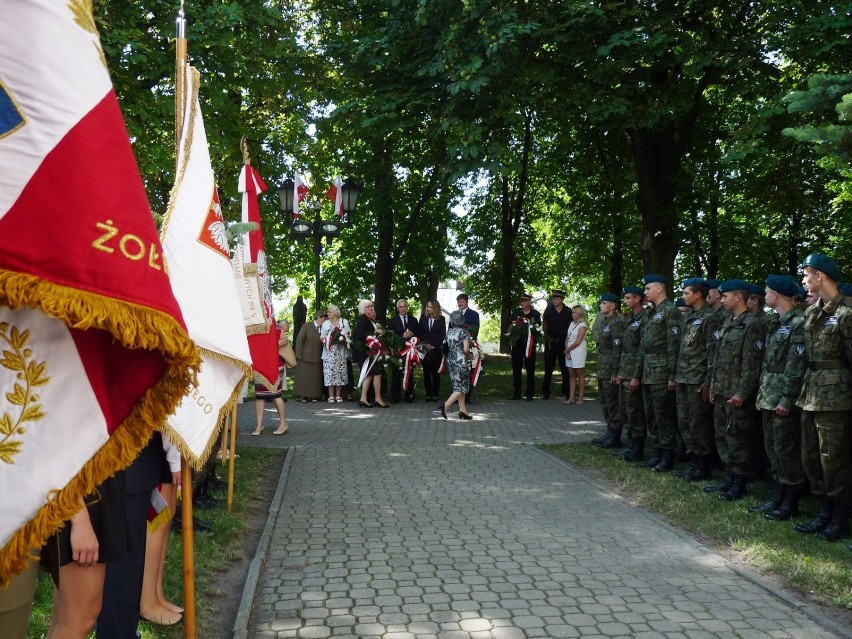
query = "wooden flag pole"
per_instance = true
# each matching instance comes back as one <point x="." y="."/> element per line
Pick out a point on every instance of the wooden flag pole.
<point x="181" y="60"/>
<point x="223" y="444"/>
<point x="233" y="457"/>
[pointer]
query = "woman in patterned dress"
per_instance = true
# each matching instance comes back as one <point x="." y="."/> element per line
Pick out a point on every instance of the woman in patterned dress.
<point x="458" y="353"/>
<point x="335" y="353"/>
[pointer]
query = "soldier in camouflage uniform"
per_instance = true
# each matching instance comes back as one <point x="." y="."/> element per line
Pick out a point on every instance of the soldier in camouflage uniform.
<point x="826" y="399"/>
<point x="630" y="402"/>
<point x="655" y="369"/>
<point x="780" y="383"/>
<point x="733" y="388"/>
<point x="608" y="332"/>
<point x="694" y="370"/>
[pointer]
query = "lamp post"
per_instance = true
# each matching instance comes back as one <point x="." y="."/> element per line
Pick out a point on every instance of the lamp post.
<point x="319" y="228"/>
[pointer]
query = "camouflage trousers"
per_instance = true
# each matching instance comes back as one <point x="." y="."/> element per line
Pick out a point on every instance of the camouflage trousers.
<point x="631" y="409"/>
<point x="608" y="397"/>
<point x="782" y="438"/>
<point x="734" y="435"/>
<point x="694" y="419"/>
<point x="661" y="416"/>
<point x="826" y="454"/>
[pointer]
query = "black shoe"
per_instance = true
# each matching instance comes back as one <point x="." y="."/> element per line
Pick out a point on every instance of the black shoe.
<point x="513" y="398"/>
<point x="443" y="411"/>
<point x="722" y="486"/>
<point x="464" y="415"/>
<point x="653" y="460"/>
<point x="364" y="404"/>
<point x="820" y="521"/>
<point x="636" y="451"/>
<point x="666" y="462"/>
<point x="737" y="490"/>
<point x="529" y="399"/>
<point x="700" y="469"/>
<point x="600" y="439"/>
<point x="772" y="504"/>
<point x="838" y="527"/>
<point x="789" y="507"/>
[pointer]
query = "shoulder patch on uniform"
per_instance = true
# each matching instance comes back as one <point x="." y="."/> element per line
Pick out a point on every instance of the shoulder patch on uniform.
<point x="717" y="334"/>
<point x="758" y="344"/>
<point x="636" y="323"/>
<point x="606" y="329"/>
<point x="616" y="341"/>
<point x="831" y="320"/>
<point x="658" y="316"/>
<point x="800" y="349"/>
<point x="675" y="330"/>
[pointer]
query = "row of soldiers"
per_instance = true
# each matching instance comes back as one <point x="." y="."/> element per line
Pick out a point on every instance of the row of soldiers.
<point x="720" y="380"/>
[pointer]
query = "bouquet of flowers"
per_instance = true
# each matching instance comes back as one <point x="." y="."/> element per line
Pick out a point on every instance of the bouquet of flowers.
<point x="474" y="362"/>
<point x="520" y="329"/>
<point x="336" y="337"/>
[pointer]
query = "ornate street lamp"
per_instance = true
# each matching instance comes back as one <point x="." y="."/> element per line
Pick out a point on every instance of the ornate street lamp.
<point x="319" y="228"/>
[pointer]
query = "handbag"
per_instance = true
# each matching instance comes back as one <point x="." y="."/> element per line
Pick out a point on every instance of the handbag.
<point x="287" y="353"/>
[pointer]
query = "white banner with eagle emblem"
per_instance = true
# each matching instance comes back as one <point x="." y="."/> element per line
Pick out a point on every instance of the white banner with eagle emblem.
<point x="195" y="245"/>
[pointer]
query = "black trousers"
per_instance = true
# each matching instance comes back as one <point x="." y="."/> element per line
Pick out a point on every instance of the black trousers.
<point x="520" y="363"/>
<point x="553" y="354"/>
<point x="431" y="378"/>
<point x="396" y="387"/>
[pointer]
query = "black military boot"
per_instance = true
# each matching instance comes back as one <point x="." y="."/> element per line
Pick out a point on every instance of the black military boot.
<point x="601" y="438"/>
<point x="779" y="491"/>
<point x="737" y="489"/>
<point x="683" y="474"/>
<point x="636" y="452"/>
<point x="653" y="460"/>
<point x="666" y="461"/>
<point x="613" y="441"/>
<point x="789" y="507"/>
<point x="723" y="485"/>
<point x="838" y="527"/>
<point x="701" y="469"/>
<point x="821" y="519"/>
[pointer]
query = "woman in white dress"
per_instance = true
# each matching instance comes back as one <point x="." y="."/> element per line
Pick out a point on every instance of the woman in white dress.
<point x="335" y="352"/>
<point x="575" y="355"/>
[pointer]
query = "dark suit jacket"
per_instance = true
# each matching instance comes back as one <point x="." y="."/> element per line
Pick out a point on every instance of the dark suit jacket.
<point x="395" y="324"/>
<point x="435" y="337"/>
<point x="363" y="329"/>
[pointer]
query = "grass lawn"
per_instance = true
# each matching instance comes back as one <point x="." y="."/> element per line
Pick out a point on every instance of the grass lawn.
<point x="215" y="552"/>
<point x="804" y="562"/>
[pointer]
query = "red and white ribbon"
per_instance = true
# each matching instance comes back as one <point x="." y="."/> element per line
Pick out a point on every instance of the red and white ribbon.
<point x="476" y="370"/>
<point x="530" y="349"/>
<point x="374" y="349"/>
<point x="410" y="360"/>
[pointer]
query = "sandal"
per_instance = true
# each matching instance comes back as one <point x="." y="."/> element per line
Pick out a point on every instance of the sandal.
<point x="339" y="400"/>
<point x="331" y="400"/>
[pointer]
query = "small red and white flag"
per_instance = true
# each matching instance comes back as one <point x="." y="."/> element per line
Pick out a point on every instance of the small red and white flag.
<point x="335" y="194"/>
<point x="94" y="353"/>
<point x="300" y="192"/>
<point x="195" y="243"/>
<point x="250" y="269"/>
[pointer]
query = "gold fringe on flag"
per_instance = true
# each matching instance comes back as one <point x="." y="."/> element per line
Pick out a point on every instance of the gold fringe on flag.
<point x="134" y="326"/>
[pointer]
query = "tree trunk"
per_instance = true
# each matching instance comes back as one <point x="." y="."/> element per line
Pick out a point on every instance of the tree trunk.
<point x="658" y="161"/>
<point x="385" y="261"/>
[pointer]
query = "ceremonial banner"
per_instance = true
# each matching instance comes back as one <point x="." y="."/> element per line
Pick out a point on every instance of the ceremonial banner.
<point x="262" y="339"/>
<point x="94" y="353"/>
<point x="195" y="244"/>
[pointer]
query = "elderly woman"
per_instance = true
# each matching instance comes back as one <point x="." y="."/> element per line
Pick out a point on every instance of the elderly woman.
<point x="335" y="335"/>
<point x="458" y="353"/>
<point x="364" y="328"/>
<point x="308" y="349"/>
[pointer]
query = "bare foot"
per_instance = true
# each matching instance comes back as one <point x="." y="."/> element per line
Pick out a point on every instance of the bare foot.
<point x="161" y="616"/>
<point x="170" y="606"/>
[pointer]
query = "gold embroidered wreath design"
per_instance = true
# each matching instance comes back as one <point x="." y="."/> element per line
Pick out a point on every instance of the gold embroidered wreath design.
<point x="30" y="375"/>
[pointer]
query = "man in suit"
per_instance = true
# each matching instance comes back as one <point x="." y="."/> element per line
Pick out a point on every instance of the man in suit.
<point x="433" y="329"/>
<point x="555" y="322"/>
<point x="406" y="327"/>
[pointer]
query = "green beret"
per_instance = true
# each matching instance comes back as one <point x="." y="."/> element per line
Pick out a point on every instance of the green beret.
<point x="783" y="285"/>
<point x="694" y="281"/>
<point x="610" y="297"/>
<point x="653" y="277"/>
<point x="729" y="286"/>
<point x="756" y="289"/>
<point x="711" y="283"/>
<point x="636" y="290"/>
<point x="823" y="263"/>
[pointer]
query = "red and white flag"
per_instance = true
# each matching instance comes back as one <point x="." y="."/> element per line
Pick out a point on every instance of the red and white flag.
<point x="335" y="194"/>
<point x="300" y="192"/>
<point x="250" y="269"/>
<point x="195" y="243"/>
<point x="94" y="353"/>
